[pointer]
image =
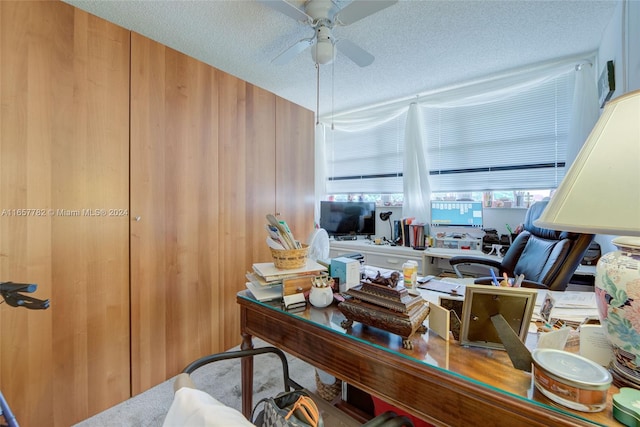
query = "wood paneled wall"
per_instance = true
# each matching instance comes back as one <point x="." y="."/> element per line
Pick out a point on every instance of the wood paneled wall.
<point x="295" y="172"/>
<point x="247" y="189"/>
<point x="95" y="117"/>
<point x="64" y="138"/>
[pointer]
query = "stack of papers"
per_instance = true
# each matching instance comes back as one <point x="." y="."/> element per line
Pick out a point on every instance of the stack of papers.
<point x="446" y="287"/>
<point x="574" y="306"/>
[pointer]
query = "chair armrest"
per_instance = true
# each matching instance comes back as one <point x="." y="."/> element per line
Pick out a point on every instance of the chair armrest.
<point x="471" y="260"/>
<point x="465" y="259"/>
<point x="288" y="382"/>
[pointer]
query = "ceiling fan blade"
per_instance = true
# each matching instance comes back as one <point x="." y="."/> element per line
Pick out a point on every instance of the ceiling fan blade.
<point x="358" y="9"/>
<point x="287" y="9"/>
<point x="293" y="51"/>
<point x="354" y="52"/>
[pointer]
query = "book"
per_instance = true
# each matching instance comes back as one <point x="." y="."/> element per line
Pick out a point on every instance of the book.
<point x="406" y="236"/>
<point x="265" y="293"/>
<point x="416" y="231"/>
<point x="270" y="273"/>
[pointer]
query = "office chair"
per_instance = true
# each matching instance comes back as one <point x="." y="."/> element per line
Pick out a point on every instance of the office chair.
<point x="198" y="408"/>
<point x="547" y="258"/>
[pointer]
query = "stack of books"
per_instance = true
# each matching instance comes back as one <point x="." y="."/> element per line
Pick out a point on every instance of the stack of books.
<point x="267" y="282"/>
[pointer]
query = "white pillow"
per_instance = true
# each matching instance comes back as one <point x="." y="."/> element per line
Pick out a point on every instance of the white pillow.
<point x="192" y="407"/>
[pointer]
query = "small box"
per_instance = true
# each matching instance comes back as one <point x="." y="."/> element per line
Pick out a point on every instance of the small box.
<point x="347" y="270"/>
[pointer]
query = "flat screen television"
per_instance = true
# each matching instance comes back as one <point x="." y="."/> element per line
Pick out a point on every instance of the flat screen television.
<point x="348" y="218"/>
<point x="456" y="214"/>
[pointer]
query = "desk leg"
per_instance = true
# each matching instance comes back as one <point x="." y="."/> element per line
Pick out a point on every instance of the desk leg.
<point x="246" y="364"/>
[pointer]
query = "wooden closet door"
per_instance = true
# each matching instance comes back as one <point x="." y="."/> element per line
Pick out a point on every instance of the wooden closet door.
<point x="295" y="192"/>
<point x="176" y="288"/>
<point x="64" y="154"/>
<point x="247" y="189"/>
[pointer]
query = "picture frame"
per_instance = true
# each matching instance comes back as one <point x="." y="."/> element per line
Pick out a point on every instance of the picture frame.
<point x="454" y="306"/>
<point x="606" y="83"/>
<point x="481" y="302"/>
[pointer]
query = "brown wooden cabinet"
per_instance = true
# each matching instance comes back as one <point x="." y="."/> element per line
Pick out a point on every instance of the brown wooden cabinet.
<point x="95" y="118"/>
<point x="64" y="154"/>
<point x="206" y="167"/>
<point x="175" y="211"/>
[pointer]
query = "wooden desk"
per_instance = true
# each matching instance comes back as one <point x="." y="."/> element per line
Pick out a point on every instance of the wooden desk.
<point x="443" y="383"/>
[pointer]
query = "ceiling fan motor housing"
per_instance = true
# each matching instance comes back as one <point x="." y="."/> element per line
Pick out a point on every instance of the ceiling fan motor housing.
<point x="323" y="16"/>
<point x="321" y="9"/>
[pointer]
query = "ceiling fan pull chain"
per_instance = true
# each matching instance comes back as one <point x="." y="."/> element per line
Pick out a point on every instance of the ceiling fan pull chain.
<point x="317" y="94"/>
<point x="333" y="88"/>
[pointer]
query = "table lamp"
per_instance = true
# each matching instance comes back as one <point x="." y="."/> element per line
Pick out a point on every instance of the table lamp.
<point x="600" y="194"/>
<point x="385" y="216"/>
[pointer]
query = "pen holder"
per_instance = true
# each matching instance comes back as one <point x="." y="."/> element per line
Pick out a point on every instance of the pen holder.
<point x="289" y="259"/>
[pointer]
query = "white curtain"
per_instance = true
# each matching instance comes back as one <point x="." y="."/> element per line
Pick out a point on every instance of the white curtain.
<point x="489" y="89"/>
<point x="417" y="191"/>
<point x="481" y="91"/>
<point x="584" y="112"/>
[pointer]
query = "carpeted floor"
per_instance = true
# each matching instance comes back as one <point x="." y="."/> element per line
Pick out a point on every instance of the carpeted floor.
<point x="220" y="379"/>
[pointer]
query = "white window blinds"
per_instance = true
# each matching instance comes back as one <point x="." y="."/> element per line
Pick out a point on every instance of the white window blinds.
<point x="366" y="161"/>
<point x="518" y="142"/>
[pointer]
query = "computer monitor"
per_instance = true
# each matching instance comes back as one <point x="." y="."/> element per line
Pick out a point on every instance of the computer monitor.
<point x="456" y="214"/>
<point x="348" y="218"/>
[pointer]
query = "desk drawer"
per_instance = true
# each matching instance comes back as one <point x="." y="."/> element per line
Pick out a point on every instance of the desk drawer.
<point x="393" y="262"/>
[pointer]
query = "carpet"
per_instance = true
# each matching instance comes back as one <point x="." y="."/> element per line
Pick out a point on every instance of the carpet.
<point x="220" y="379"/>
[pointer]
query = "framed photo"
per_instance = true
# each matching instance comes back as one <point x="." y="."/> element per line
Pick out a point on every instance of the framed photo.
<point x="482" y="302"/>
<point x="454" y="305"/>
<point x="606" y="83"/>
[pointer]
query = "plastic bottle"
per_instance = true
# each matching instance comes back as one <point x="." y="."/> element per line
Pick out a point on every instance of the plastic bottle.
<point x="414" y="274"/>
<point x="410" y="273"/>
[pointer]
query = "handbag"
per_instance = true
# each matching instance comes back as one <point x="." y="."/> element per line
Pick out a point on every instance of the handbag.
<point x="289" y="409"/>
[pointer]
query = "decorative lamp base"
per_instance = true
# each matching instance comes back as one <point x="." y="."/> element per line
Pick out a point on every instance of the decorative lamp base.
<point x="617" y="288"/>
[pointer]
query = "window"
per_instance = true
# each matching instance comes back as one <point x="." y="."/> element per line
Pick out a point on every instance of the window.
<point x="518" y="142"/>
<point x="497" y="199"/>
<point x="515" y="143"/>
<point x="392" y="199"/>
<point x="366" y="162"/>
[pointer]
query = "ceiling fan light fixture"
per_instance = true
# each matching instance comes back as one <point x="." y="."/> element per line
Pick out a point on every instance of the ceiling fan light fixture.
<point x="323" y="52"/>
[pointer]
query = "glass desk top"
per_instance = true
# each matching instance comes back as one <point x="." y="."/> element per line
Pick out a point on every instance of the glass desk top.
<point x="483" y="367"/>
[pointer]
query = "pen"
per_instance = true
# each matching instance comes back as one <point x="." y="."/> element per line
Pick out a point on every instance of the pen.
<point x="495" y="279"/>
<point x="509" y="229"/>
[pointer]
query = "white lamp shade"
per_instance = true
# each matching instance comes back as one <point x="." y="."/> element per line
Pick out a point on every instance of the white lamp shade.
<point x="600" y="193"/>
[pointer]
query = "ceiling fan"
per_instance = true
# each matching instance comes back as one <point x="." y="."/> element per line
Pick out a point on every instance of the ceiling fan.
<point x="322" y="16"/>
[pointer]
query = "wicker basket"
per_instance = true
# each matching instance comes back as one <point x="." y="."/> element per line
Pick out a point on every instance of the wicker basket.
<point x="328" y="391"/>
<point x="290" y="258"/>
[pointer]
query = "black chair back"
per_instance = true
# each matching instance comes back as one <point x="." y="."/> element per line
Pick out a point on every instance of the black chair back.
<point x="546" y="256"/>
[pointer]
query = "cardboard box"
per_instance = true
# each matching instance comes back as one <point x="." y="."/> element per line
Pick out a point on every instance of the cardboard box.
<point x="347" y="270"/>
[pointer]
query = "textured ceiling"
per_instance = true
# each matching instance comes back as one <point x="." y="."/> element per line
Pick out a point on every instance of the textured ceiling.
<point x="419" y="46"/>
